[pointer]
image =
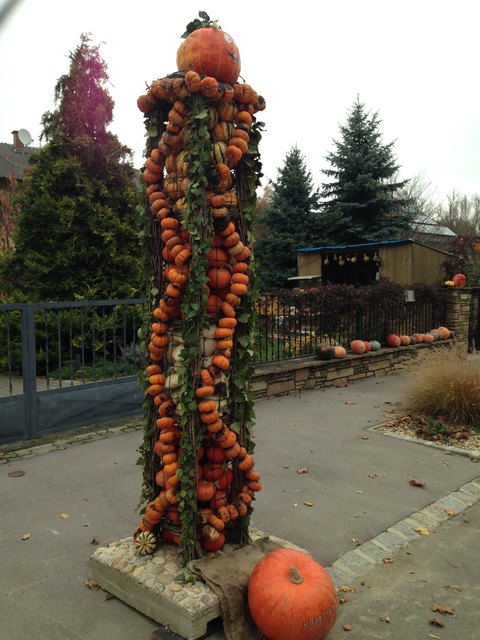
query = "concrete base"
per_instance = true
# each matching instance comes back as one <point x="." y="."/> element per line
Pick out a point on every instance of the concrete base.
<point x="155" y="585"/>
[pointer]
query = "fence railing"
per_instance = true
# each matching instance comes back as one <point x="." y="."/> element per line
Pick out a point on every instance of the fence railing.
<point x="293" y="325"/>
<point x="74" y="363"/>
<point x="53" y="345"/>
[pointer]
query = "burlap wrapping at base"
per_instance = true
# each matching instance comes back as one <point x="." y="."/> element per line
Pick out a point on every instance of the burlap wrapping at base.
<point x="228" y="575"/>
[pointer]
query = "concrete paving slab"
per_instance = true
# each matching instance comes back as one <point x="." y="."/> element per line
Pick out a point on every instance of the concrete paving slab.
<point x="441" y="568"/>
<point x="358" y="487"/>
<point x="357" y="481"/>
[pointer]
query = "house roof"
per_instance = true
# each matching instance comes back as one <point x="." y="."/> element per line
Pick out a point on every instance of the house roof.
<point x="367" y="245"/>
<point x="14" y="161"/>
<point x="429" y="226"/>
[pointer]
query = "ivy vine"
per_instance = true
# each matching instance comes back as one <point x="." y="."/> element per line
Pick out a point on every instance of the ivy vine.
<point x="197" y="221"/>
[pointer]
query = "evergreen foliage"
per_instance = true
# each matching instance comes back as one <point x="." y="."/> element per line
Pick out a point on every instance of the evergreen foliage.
<point x="289" y="222"/>
<point x="361" y="202"/>
<point x="77" y="231"/>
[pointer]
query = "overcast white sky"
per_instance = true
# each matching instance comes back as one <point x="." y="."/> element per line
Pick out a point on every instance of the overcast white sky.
<point x="415" y="62"/>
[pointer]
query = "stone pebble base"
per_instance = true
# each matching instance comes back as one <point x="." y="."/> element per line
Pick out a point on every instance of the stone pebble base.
<point x="149" y="584"/>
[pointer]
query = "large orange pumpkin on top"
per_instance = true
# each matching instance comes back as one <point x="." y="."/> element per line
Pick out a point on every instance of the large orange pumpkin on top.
<point x="212" y="52"/>
<point x="290" y="596"/>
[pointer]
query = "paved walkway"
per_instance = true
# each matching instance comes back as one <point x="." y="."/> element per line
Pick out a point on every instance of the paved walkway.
<point x="355" y="486"/>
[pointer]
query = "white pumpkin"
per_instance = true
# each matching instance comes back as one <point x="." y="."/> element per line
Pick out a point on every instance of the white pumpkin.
<point x="208" y="346"/>
<point x="172" y="381"/>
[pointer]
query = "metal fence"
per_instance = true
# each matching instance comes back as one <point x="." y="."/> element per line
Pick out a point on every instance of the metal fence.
<point x="67" y="363"/>
<point x="474" y="321"/>
<point x="293" y="325"/>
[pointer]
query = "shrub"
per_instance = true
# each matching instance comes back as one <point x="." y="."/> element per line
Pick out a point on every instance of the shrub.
<point x="446" y="385"/>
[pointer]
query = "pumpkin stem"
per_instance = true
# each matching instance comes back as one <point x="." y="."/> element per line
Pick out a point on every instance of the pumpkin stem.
<point x="295" y="575"/>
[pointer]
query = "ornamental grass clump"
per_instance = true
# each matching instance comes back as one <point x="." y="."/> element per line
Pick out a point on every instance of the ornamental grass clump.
<point x="446" y="385"/>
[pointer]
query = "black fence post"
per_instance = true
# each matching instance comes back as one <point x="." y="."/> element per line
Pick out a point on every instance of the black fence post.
<point x="29" y="370"/>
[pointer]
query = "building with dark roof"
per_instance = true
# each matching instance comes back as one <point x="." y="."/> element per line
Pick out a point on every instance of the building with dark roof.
<point x="433" y="234"/>
<point x="406" y="261"/>
<point x="14" y="159"/>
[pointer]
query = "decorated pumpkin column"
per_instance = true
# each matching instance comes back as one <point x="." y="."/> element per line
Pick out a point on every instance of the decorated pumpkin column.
<point x="202" y="170"/>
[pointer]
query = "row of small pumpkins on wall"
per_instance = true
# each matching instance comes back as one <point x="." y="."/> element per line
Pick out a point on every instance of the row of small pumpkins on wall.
<point x="359" y="347"/>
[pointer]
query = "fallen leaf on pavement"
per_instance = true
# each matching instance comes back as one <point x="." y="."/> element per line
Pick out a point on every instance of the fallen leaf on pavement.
<point x="387" y="561"/>
<point x="436" y="623"/>
<point x="296" y="504"/>
<point x="372" y="475"/>
<point x="443" y="609"/>
<point x="364" y="437"/>
<point x="350" y="402"/>
<point x="303" y="470"/>
<point x="347" y="627"/>
<point x="16" y="474"/>
<point x="354" y="540"/>
<point x="64" y="516"/>
<point x="286" y="466"/>
<point x="453" y="587"/>
<point x="346" y="588"/>
<point x="94" y="541"/>
<point x="110" y="596"/>
<point x="385" y="618"/>
<point x="450" y="512"/>
<point x="431" y="635"/>
<point x="91" y="585"/>
<point x="308" y="504"/>
<point x="26" y="536"/>
<point x="423" y="531"/>
<point x="417" y="483"/>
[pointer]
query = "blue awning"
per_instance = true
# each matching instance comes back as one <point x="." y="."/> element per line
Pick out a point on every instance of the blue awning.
<point x="353" y="247"/>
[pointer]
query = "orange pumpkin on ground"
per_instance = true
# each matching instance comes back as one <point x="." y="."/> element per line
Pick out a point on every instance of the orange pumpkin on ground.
<point x="340" y="352"/>
<point x="404" y="341"/>
<point x="428" y="338"/>
<point x="418" y="337"/>
<point x="292" y="596"/>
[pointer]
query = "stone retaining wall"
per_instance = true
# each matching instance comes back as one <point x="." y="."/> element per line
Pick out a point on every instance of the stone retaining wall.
<point x="290" y="376"/>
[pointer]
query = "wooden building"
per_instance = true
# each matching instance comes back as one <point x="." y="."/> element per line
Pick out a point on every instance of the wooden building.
<point x="406" y="262"/>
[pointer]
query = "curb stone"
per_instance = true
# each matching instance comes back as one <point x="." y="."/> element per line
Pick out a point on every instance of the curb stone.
<point x="354" y="565"/>
<point x="60" y="443"/>
<point x="473" y="454"/>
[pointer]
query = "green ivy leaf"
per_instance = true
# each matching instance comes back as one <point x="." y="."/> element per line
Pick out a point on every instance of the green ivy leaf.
<point x="244" y="340"/>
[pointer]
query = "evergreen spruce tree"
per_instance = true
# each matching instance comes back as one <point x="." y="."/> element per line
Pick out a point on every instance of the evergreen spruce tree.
<point x="362" y="203"/>
<point x="290" y="222"/>
<point x="76" y="233"/>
